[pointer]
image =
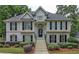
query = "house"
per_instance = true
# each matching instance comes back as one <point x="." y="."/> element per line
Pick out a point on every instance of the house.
<point x="38" y="25"/>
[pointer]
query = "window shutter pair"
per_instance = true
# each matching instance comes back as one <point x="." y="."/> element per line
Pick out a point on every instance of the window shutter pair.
<point x="12" y="25"/>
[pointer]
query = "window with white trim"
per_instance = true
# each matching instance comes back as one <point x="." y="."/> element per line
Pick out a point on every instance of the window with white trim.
<point x="52" y="38"/>
<point x="63" y="38"/>
<point x="13" y="25"/>
<point x="13" y="38"/>
<point x="27" y="25"/>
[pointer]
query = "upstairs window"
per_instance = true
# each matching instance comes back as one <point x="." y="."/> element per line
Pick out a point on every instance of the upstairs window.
<point x="56" y="25"/>
<point x="40" y="17"/>
<point x="61" y="25"/>
<point x="50" y="25"/>
<point x="13" y="25"/>
<point x="66" y="25"/>
<point x="27" y="25"/>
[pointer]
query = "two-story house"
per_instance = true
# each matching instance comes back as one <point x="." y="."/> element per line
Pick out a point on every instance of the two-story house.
<point x="38" y="25"/>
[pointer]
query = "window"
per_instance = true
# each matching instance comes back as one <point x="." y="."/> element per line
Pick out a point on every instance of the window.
<point x="52" y="38"/>
<point x="63" y="38"/>
<point x="27" y="25"/>
<point x="13" y="26"/>
<point x="56" y="25"/>
<point x="61" y="25"/>
<point x="40" y="17"/>
<point x="50" y="25"/>
<point x="66" y="25"/>
<point x="13" y="38"/>
<point x="27" y="38"/>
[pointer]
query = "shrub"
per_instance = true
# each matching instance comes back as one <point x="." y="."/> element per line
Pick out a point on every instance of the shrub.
<point x="70" y="47"/>
<point x="27" y="48"/>
<point x="16" y="45"/>
<point x="53" y="47"/>
<point x="6" y="45"/>
<point x="62" y="45"/>
<point x="74" y="45"/>
<point x="1" y="45"/>
<point x="12" y="43"/>
<point x="73" y="40"/>
<point x="65" y="45"/>
<point x="23" y="43"/>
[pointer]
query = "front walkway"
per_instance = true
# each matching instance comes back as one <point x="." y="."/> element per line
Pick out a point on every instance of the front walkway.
<point x="41" y="47"/>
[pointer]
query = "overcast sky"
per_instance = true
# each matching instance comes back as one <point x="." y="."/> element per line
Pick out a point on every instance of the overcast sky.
<point x="46" y="4"/>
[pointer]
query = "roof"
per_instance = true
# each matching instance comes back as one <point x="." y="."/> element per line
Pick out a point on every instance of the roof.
<point x="50" y="16"/>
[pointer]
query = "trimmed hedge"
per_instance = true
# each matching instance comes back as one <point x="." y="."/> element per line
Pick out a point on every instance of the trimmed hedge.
<point x="53" y="46"/>
<point x="17" y="45"/>
<point x="1" y="45"/>
<point x="73" y="40"/>
<point x="23" y="43"/>
<point x="65" y="45"/>
<point x="6" y="46"/>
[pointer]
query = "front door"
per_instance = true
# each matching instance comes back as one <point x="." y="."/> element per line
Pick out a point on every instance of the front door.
<point x="40" y="33"/>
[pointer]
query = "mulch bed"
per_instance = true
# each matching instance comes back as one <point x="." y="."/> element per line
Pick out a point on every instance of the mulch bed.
<point x="66" y="49"/>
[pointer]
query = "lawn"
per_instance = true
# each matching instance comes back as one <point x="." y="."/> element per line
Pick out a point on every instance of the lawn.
<point x="12" y="50"/>
<point x="70" y="51"/>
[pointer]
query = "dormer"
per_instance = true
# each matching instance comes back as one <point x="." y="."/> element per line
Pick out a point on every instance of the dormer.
<point x="40" y="14"/>
<point x="27" y="16"/>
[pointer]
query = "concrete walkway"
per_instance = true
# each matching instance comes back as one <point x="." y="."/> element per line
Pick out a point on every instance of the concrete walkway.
<point x="41" y="47"/>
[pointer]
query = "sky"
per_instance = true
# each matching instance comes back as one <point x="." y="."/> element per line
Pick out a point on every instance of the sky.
<point x="45" y="4"/>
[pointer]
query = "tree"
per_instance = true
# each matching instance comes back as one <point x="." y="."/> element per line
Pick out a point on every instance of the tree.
<point x="71" y="12"/>
<point x="8" y="11"/>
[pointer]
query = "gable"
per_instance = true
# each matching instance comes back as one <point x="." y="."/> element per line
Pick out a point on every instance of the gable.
<point x="27" y="16"/>
<point x="40" y="14"/>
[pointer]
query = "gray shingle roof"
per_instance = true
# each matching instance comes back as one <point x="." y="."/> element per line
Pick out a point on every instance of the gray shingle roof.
<point x="50" y="16"/>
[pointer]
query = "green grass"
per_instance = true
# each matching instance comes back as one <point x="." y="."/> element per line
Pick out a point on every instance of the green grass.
<point x="64" y="52"/>
<point x="12" y="50"/>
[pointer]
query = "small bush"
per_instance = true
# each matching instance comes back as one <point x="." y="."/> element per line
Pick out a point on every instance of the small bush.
<point x="70" y="47"/>
<point x="12" y="43"/>
<point x="1" y="45"/>
<point x="65" y="45"/>
<point x="53" y="47"/>
<point x="23" y="43"/>
<point x="27" y="48"/>
<point x="6" y="45"/>
<point x="62" y="45"/>
<point x="73" y="40"/>
<point x="17" y="45"/>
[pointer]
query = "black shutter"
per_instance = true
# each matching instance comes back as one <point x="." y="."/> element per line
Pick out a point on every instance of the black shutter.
<point x="23" y="38"/>
<point x="31" y="25"/>
<point x="50" y="25"/>
<point x="22" y="25"/>
<point x="10" y="25"/>
<point x="10" y="37"/>
<point x="60" y="38"/>
<point x="66" y="25"/>
<point x="15" y="25"/>
<point x="31" y="38"/>
<point x="56" y="25"/>
<point x="65" y="38"/>
<point x="15" y="37"/>
<point x="61" y="25"/>
<point x="50" y="38"/>
<point x="55" y="38"/>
